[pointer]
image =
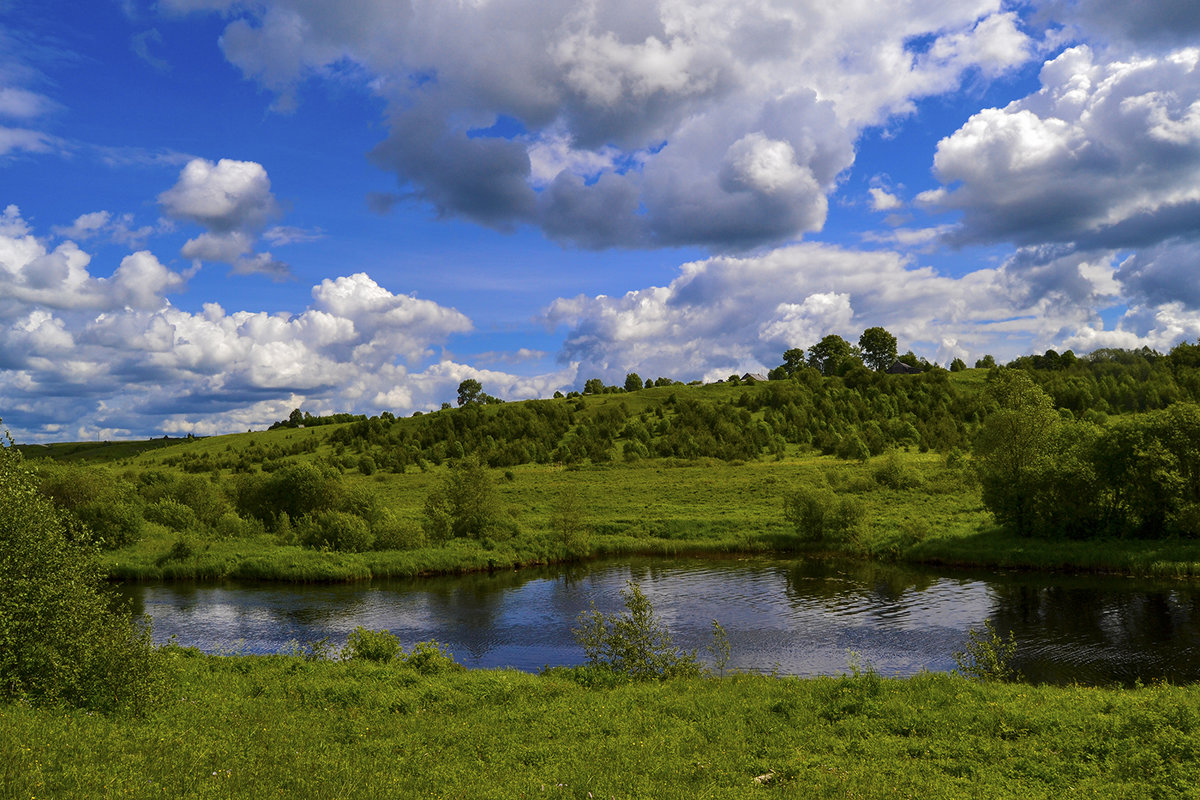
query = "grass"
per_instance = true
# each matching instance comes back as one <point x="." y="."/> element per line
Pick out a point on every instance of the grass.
<point x="280" y="726"/>
<point x="667" y="507"/>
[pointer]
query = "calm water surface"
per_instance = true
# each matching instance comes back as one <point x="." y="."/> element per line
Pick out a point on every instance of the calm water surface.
<point x="796" y="617"/>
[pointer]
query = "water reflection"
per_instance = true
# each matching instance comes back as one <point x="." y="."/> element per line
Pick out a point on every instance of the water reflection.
<point x="798" y="617"/>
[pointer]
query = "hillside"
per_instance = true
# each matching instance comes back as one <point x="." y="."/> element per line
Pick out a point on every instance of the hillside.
<point x="863" y="463"/>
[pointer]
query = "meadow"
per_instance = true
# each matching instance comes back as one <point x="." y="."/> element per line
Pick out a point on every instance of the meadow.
<point x="667" y="470"/>
<point x="284" y="726"/>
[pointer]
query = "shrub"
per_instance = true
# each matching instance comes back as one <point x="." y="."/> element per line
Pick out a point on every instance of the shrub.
<point x="430" y="658"/>
<point x="172" y="514"/>
<point x="819" y="514"/>
<point x="62" y="640"/>
<point x="336" y="530"/>
<point x="368" y="645"/>
<point x="634" y="644"/>
<point x="466" y="504"/>
<point x="392" y="533"/>
<point x="893" y="473"/>
<point x="181" y="550"/>
<point x="231" y="526"/>
<point x="987" y="655"/>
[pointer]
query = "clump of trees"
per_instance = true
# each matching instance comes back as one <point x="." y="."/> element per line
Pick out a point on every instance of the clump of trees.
<point x="1044" y="473"/>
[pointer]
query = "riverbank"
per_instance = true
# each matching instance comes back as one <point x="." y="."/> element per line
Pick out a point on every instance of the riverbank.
<point x="282" y="726"/>
<point x="915" y="509"/>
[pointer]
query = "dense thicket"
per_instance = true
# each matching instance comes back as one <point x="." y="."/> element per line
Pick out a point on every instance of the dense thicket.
<point x="62" y="639"/>
<point x="1047" y="474"/>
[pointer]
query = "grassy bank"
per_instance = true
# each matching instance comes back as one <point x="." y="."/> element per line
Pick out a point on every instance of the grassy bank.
<point x="284" y="727"/>
<point x="928" y="514"/>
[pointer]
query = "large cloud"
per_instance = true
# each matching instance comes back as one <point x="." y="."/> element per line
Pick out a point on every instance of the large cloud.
<point x="1105" y="154"/>
<point x="1120" y="22"/>
<point x="726" y="315"/>
<point x="232" y="200"/>
<point x="625" y="122"/>
<point x="113" y="354"/>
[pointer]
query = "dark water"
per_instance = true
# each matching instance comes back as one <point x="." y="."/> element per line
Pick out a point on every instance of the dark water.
<point x="796" y="617"/>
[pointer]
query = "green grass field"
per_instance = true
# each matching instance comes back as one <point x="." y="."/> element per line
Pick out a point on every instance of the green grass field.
<point x="279" y="726"/>
<point x="669" y="508"/>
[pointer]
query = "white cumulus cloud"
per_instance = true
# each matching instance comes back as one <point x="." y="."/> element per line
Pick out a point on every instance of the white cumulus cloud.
<point x="630" y="123"/>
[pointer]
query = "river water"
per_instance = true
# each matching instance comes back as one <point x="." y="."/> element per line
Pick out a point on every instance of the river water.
<point x="785" y="615"/>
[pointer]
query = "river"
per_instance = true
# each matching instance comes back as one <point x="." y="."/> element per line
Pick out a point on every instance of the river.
<point x="785" y="615"/>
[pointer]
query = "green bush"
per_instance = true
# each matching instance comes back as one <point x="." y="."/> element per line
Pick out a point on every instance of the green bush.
<point x="893" y="473"/>
<point x="818" y="514"/>
<point x="430" y="658"/>
<point x="109" y="507"/>
<point x="336" y="530"/>
<point x="181" y="550"/>
<point x="634" y="644"/>
<point x="368" y="645"/>
<point x="987" y="655"/>
<point x="62" y="639"/>
<point x="393" y="533"/>
<point x="465" y="505"/>
<point x="171" y="513"/>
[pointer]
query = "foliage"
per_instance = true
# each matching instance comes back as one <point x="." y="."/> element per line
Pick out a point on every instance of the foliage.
<point x="1014" y="448"/>
<point x="720" y="649"/>
<point x="335" y="530"/>
<point x="61" y="638"/>
<point x="465" y="505"/>
<point x="110" y="508"/>
<point x="634" y="644"/>
<point x="1045" y="475"/>
<point x="878" y="348"/>
<point x="568" y="519"/>
<point x="367" y="645"/>
<point x="818" y="514"/>
<point x="833" y="355"/>
<point x="431" y="658"/>
<point x="987" y="655"/>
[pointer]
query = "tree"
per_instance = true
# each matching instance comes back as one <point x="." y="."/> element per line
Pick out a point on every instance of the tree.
<point x="1014" y="449"/>
<point x="62" y="639"/>
<point x="633" y="382"/>
<point x="878" y="348"/>
<point x="469" y="391"/>
<point x="593" y="386"/>
<point x="987" y="362"/>
<point x="465" y="505"/>
<point x="833" y="355"/>
<point x="958" y="365"/>
<point x="793" y="360"/>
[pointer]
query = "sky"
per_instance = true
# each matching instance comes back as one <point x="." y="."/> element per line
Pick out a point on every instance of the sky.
<point x="215" y="211"/>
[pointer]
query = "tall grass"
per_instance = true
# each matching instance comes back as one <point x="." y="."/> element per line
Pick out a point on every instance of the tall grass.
<point x="261" y="727"/>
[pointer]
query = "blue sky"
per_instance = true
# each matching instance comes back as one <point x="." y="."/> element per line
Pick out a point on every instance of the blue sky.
<point x="215" y="211"/>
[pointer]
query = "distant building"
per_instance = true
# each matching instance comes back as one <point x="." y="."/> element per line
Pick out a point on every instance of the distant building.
<point x="753" y="377"/>
<point x="900" y="368"/>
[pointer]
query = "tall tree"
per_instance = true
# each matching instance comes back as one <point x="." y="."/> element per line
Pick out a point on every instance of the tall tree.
<point x="469" y="391"/>
<point x="633" y="382"/>
<point x="793" y="360"/>
<point x="1014" y="448"/>
<point x="878" y="348"/>
<point x="833" y="355"/>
